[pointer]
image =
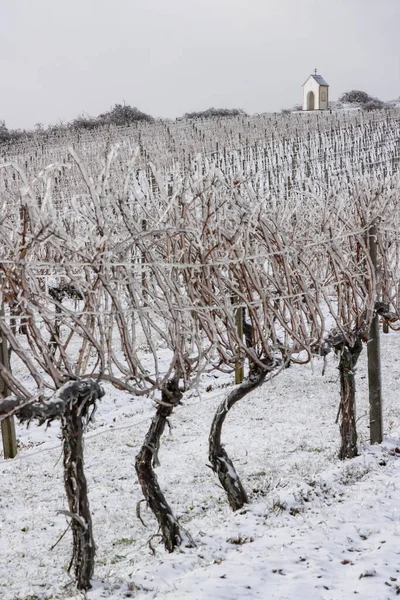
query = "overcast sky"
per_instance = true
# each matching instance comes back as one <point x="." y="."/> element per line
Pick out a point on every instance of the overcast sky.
<point x="59" y="58"/>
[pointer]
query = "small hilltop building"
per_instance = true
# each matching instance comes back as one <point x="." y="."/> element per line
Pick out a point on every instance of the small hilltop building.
<point x="315" y="93"/>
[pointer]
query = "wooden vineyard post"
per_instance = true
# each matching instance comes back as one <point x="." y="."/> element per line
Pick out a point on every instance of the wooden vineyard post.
<point x="143" y="261"/>
<point x="374" y="361"/>
<point x="239" y="367"/>
<point x="7" y="425"/>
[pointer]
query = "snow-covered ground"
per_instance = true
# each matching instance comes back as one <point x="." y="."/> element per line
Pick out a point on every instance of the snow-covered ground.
<point x="315" y="528"/>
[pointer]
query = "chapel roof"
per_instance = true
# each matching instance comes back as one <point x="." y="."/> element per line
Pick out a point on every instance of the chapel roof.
<point x="318" y="78"/>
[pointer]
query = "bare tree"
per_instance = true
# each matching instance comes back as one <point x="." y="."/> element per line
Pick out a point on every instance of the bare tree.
<point x="234" y="250"/>
<point x="349" y="291"/>
<point x="42" y="353"/>
<point x="143" y="305"/>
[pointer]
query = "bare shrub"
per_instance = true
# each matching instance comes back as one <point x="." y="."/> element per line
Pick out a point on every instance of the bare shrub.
<point x="11" y="135"/>
<point x="363" y="99"/>
<point x="374" y="104"/>
<point x="211" y="113"/>
<point x="123" y="114"/>
<point x="355" y="97"/>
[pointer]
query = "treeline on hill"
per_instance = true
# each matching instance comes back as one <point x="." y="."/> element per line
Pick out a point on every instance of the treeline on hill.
<point x="120" y="114"/>
<point x="124" y="114"/>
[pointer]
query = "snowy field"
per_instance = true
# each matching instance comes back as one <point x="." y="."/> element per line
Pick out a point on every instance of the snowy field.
<point x="315" y="528"/>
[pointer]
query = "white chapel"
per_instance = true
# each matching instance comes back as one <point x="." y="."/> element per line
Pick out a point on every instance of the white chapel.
<point x="315" y="93"/>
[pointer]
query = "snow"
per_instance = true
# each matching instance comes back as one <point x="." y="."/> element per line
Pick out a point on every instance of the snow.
<point x="315" y="527"/>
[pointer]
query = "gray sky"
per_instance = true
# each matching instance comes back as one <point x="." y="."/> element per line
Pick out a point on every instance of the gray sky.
<point x="59" y="58"/>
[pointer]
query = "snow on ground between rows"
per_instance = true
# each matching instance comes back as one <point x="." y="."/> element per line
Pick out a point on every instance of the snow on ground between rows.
<point x="315" y="528"/>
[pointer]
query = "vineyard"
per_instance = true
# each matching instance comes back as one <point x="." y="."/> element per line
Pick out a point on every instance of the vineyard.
<point x="281" y="152"/>
<point x="189" y="266"/>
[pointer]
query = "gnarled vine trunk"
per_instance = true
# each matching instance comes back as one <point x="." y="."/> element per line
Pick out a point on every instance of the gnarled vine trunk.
<point x="148" y="458"/>
<point x="220" y="462"/>
<point x="347" y="410"/>
<point x="74" y="403"/>
<point x="84" y="548"/>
